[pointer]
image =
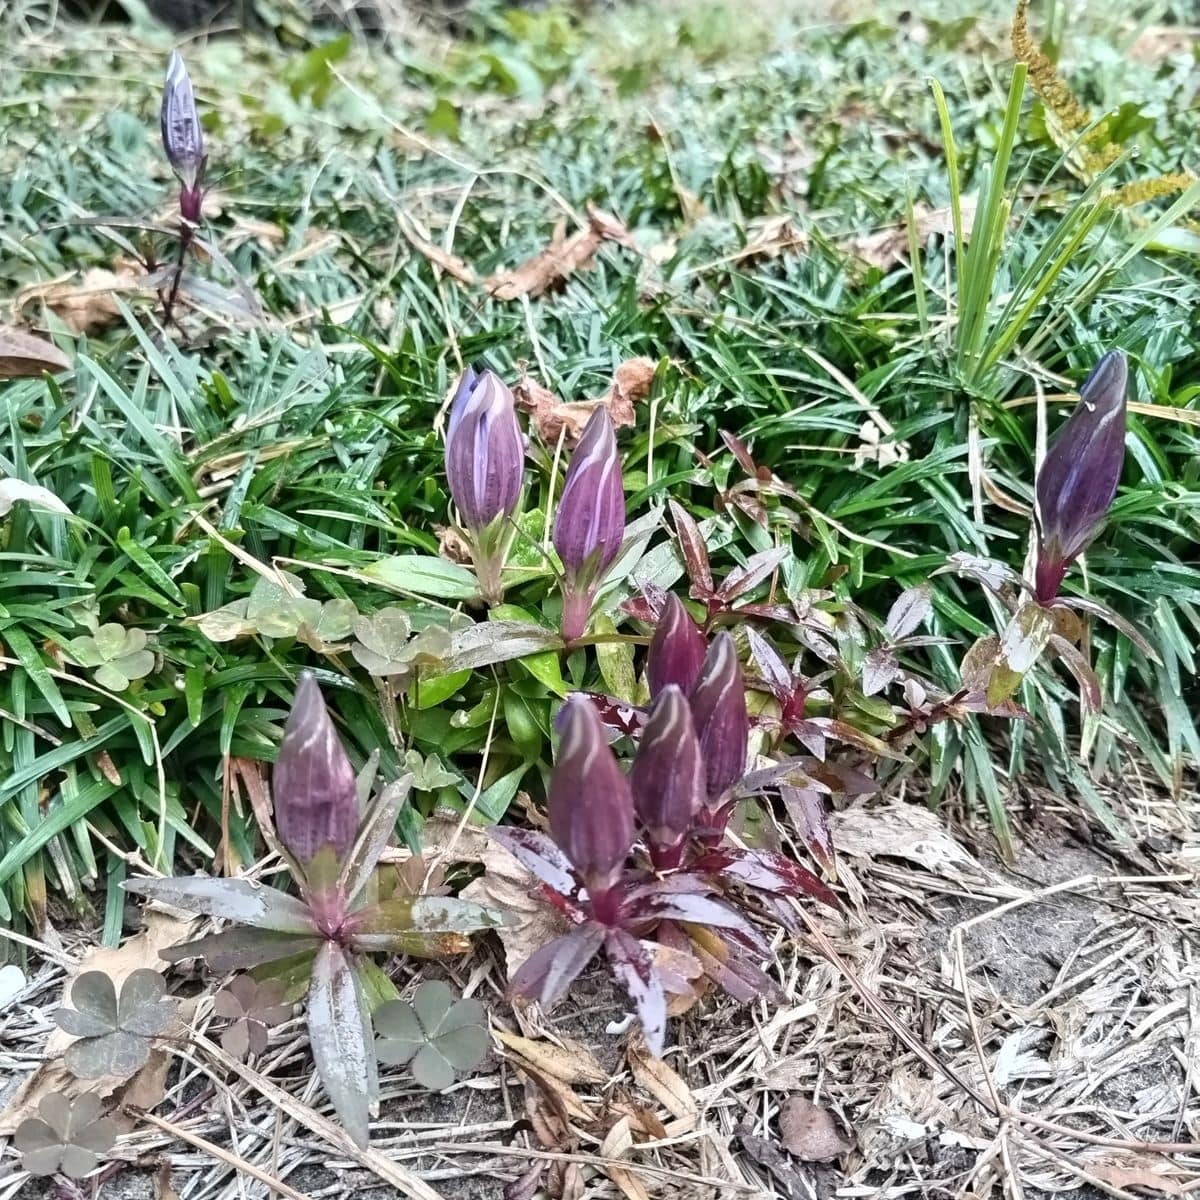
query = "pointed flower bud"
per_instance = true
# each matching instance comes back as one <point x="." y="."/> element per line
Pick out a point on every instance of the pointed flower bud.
<point x="590" y="521"/>
<point x="719" y="713"/>
<point x="591" y="808"/>
<point x="485" y="453"/>
<point x="182" y="137"/>
<point x="667" y="778"/>
<point x="1079" y="476"/>
<point x="676" y="649"/>
<point x="316" y="802"/>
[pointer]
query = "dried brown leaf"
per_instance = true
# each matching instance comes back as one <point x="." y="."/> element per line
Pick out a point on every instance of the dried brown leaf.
<point x="1146" y="1172"/>
<point x="810" y="1132"/>
<point x="888" y="246"/>
<point x="631" y="385"/>
<point x="24" y="354"/>
<point x="550" y="268"/>
<point x="618" y="1142"/>
<point x="89" y="305"/>
<point x="665" y="1086"/>
<point x="569" y="1064"/>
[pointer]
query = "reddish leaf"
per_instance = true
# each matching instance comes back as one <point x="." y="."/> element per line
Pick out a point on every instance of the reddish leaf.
<point x="546" y="974"/>
<point x="1075" y="662"/>
<point x="807" y="811"/>
<point x="880" y="668"/>
<point x="767" y="870"/>
<point x="695" y="553"/>
<point x="774" y="671"/>
<point x="909" y="611"/>
<point x="537" y="853"/>
<point x="634" y="968"/>
<point x="758" y="567"/>
<point x="618" y="717"/>
<point x="741" y="452"/>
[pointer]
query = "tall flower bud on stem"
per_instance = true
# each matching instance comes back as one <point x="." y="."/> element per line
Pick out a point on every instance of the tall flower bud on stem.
<point x="591" y="807"/>
<point x="183" y="141"/>
<point x="667" y="778"/>
<point x="1079" y="475"/>
<point x="590" y="521"/>
<point x="722" y="722"/>
<point x="676" y="650"/>
<point x="485" y="462"/>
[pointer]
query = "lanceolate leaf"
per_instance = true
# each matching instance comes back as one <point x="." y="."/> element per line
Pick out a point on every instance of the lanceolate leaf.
<point x="695" y="553"/>
<point x="1118" y="622"/>
<point x="239" y="900"/>
<point x="376" y="831"/>
<point x="703" y="910"/>
<point x="634" y="968"/>
<point x="426" y="914"/>
<point x="767" y="870"/>
<point x="806" y="808"/>
<point x="546" y="974"/>
<point x="497" y="641"/>
<point x="539" y="854"/>
<point x="1075" y="662"/>
<point x="909" y="611"/>
<point x="241" y="949"/>
<point x="339" y="1030"/>
<point x="757" y="568"/>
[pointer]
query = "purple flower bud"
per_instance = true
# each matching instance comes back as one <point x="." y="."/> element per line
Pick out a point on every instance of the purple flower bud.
<point x="1080" y="473"/>
<point x="667" y="778"/>
<point x="181" y="134"/>
<point x="316" y="802"/>
<point x="590" y="521"/>
<point x="676" y="649"/>
<point x="591" y="808"/>
<point x="718" y="703"/>
<point x="485" y="453"/>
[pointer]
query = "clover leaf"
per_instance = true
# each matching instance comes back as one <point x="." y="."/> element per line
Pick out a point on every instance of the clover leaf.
<point x="253" y="1007"/>
<point x="437" y="1035"/>
<point x="114" y="1035"/>
<point x="386" y="647"/>
<point x="65" y="1138"/>
<point x="114" y="654"/>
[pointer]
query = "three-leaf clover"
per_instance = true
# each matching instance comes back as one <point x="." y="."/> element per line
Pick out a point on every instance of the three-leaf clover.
<point x="114" y="654"/>
<point x="114" y="1035"/>
<point x="65" y="1138"/>
<point x="437" y="1035"/>
<point x="253" y="1007"/>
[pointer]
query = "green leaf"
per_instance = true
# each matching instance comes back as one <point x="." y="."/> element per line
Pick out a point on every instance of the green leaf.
<point x="423" y="575"/>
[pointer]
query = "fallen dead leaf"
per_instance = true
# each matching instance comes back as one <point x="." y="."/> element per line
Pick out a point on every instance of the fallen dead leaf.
<point x="550" y="268"/>
<point x="572" y="1063"/>
<point x="14" y="490"/>
<point x="665" y="1086"/>
<point x="770" y="237"/>
<point x="508" y="885"/>
<point x="145" y="1088"/>
<point x="810" y="1132"/>
<point x="630" y="386"/>
<point x="888" y="246"/>
<point x="768" y="1155"/>
<point x="452" y="545"/>
<point x="89" y="305"/>
<point x="900" y="831"/>
<point x="1146" y="1172"/>
<point x="450" y="263"/>
<point x="618" y="1142"/>
<point x="25" y="355"/>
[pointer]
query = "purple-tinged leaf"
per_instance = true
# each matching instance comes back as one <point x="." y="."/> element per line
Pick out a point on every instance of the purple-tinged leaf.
<point x="785" y="614"/>
<point x="634" y="969"/>
<point x="700" y="910"/>
<point x="741" y="452"/>
<point x="313" y="784"/>
<point x="789" y="770"/>
<point x="740" y="980"/>
<point x="677" y="649"/>
<point x="538" y="854"/>
<point x="241" y="949"/>
<point x="909" y="611"/>
<point x="767" y="870"/>
<point x="774" y="671"/>
<point x="841" y="777"/>
<point x="758" y="566"/>
<point x="1073" y="659"/>
<point x="240" y="900"/>
<point x="546" y="974"/>
<point x="694" y="551"/>
<point x="880" y="669"/>
<point x="843" y="732"/>
<point x="618" y="717"/>
<point x="806" y="808"/>
<point x="343" y="1046"/>
<point x="1111" y="617"/>
<point x="374" y="834"/>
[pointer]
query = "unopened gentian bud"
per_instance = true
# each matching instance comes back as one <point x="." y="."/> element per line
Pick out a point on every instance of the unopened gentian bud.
<point x="591" y="807"/>
<point x="485" y="453"/>
<point x="667" y="777"/>
<point x="316" y="802"/>
<point x="590" y="521"/>
<point x="718" y="703"/>
<point x="676" y="649"/>
<point x="1079" y="476"/>
<point x="182" y="137"/>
